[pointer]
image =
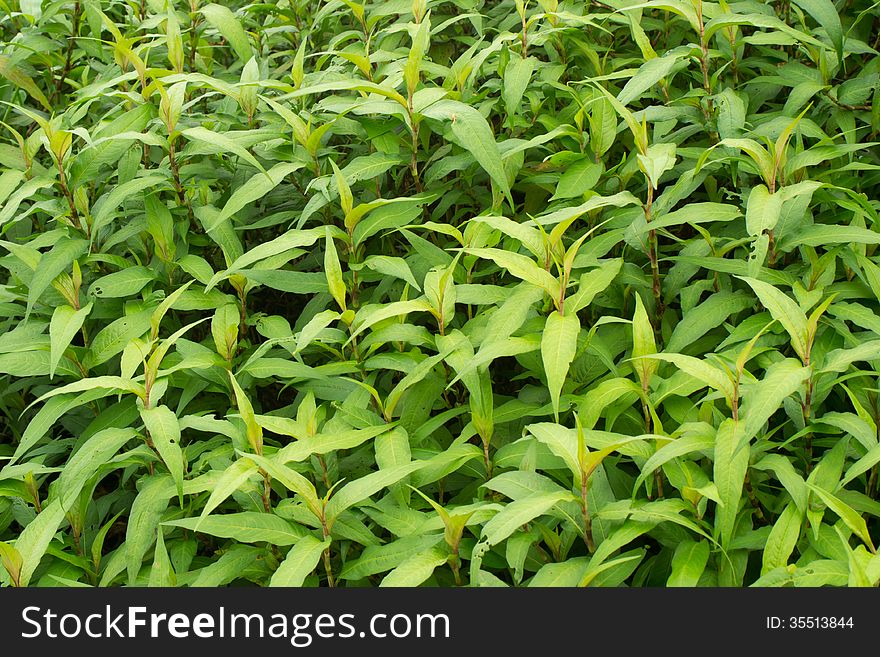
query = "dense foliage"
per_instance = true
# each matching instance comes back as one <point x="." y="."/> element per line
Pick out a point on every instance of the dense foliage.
<point x="459" y="292"/>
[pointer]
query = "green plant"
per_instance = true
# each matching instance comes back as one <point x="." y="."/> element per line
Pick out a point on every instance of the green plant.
<point x="448" y="292"/>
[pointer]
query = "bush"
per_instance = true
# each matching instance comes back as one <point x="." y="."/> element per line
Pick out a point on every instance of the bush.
<point x="448" y="293"/>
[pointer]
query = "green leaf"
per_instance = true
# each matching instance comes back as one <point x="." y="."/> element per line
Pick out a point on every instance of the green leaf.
<point x="229" y="567"/>
<point x="688" y="563"/>
<point x="516" y="80"/>
<point x="702" y="371"/>
<point x="224" y="330"/>
<point x="291" y="480"/>
<point x="657" y="160"/>
<point x="578" y="178"/>
<point x="245" y="527"/>
<point x="785" y="311"/>
<point x="416" y="569"/>
<point x="382" y="214"/>
<point x="827" y="16"/>
<point x="162" y="572"/>
<point x="50" y="265"/>
<point x="558" y="347"/>
<point x="229" y="481"/>
<point x="763" y="398"/>
<point x="224" y="21"/>
<point x="686" y="444"/>
<point x="49" y="413"/>
<point x="34" y="539"/>
<point x="518" y="513"/>
<point x="647" y="76"/>
<point x="162" y="308"/>
<point x="164" y="431"/>
<point x="591" y="284"/>
<point x="361" y="489"/>
<point x="731" y="462"/>
<point x="105" y="208"/>
<point x="763" y="210"/>
<point x="220" y="143"/>
<point x="706" y="316"/>
<point x="567" y="573"/>
<point x="417" y="374"/>
<point x="123" y="283"/>
<point x="643" y="344"/>
<point x="757" y="20"/>
<point x="344" y="191"/>
<point x="352" y="85"/>
<point x="392" y="266"/>
<point x="618" y="200"/>
<point x="12" y="561"/>
<point x="333" y="271"/>
<point x="850" y="517"/>
<point x="92" y="454"/>
<point x="838" y="360"/>
<point x="393" y="450"/>
<point x="111" y="143"/>
<point x="253" y="190"/>
<point x="626" y="533"/>
<point x="114" y="337"/>
<point x="822" y="234"/>
<point x="868" y="461"/>
<point x="377" y="559"/>
<point x="299" y="562"/>
<point x="522" y="267"/>
<point x="782" y="539"/>
<point x="15" y="74"/>
<point x="143" y="520"/>
<point x="323" y="443"/>
<point x="471" y="131"/>
<point x="693" y="214"/>
<point x="253" y="429"/>
<point x="370" y="315"/>
<point x="66" y="323"/>
<point x="288" y="241"/>
<point x="759" y="155"/>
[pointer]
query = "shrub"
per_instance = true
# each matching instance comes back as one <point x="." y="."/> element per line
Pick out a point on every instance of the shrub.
<point x="449" y="293"/>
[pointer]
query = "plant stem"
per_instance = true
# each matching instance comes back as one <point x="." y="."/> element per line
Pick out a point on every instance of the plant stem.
<point x="731" y="36"/>
<point x="851" y="108"/>
<point x="585" y="512"/>
<point x="328" y="568"/>
<point x="331" y="582"/>
<point x="195" y="19"/>
<point x="753" y="499"/>
<point x="454" y="564"/>
<point x="62" y="181"/>
<point x="242" y="316"/>
<point x="71" y="43"/>
<point x="807" y="408"/>
<point x="267" y="491"/>
<point x="734" y="403"/>
<point x="325" y="477"/>
<point x="704" y="67"/>
<point x="486" y="460"/>
<point x="178" y="187"/>
<point x="655" y="265"/>
<point x="414" y="159"/>
<point x="704" y="63"/>
<point x="646" y="412"/>
<point x="771" y="249"/>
